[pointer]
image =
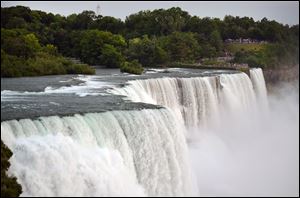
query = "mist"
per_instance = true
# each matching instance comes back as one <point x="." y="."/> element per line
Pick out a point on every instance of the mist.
<point x="250" y="153"/>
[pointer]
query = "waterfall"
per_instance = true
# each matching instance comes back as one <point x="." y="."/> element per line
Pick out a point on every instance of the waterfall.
<point x="56" y="165"/>
<point x="191" y="99"/>
<point x="197" y="100"/>
<point x="237" y="93"/>
<point x="259" y="85"/>
<point x="97" y="150"/>
<point x="126" y="153"/>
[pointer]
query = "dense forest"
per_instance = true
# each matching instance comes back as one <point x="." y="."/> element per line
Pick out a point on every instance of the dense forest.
<point x="35" y="43"/>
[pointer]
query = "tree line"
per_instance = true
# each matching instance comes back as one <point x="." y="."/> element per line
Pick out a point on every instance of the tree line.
<point x="22" y="55"/>
<point x="150" y="38"/>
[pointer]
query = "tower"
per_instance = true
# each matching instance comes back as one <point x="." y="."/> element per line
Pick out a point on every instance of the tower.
<point x="98" y="10"/>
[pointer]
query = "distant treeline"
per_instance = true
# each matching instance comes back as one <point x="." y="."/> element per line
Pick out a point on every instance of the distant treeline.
<point x="151" y="38"/>
<point x="22" y="55"/>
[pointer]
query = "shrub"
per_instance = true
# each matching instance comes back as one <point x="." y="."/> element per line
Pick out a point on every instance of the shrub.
<point x="133" y="67"/>
<point x="42" y="64"/>
<point x="80" y="69"/>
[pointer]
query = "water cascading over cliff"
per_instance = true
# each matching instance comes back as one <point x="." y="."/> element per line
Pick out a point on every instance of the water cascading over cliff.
<point x="125" y="153"/>
<point x="197" y="100"/>
<point x="105" y="154"/>
<point x="259" y="86"/>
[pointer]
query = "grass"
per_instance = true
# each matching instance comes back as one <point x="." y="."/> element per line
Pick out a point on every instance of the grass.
<point x="210" y="64"/>
<point x="237" y="47"/>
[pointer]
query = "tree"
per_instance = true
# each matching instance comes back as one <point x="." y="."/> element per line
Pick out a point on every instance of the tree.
<point x="170" y="20"/>
<point x="50" y="49"/>
<point x="16" y="22"/>
<point x="110" y="24"/>
<point x="181" y="46"/>
<point x="110" y="56"/>
<point x="32" y="44"/>
<point x="157" y="22"/>
<point x="17" y="42"/>
<point x="92" y="45"/>
<point x="22" y="55"/>
<point x="146" y="51"/>
<point x="81" y="21"/>
<point x="216" y="40"/>
<point x="152" y="37"/>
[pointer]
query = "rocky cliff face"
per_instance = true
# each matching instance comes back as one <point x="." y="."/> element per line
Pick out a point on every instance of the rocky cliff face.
<point x="283" y="74"/>
<point x="9" y="185"/>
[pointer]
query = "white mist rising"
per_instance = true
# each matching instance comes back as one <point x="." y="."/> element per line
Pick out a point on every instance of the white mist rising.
<point x="251" y="153"/>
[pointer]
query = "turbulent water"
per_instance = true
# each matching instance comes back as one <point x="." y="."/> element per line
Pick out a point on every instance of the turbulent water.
<point x="197" y="100"/>
<point x="259" y="86"/>
<point x="131" y="152"/>
<point x="147" y="145"/>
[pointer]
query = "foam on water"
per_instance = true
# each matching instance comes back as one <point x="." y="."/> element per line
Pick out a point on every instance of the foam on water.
<point x="89" y="86"/>
<point x="150" y="143"/>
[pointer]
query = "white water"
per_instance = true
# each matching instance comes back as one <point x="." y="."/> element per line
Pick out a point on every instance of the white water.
<point x="196" y="100"/>
<point x="150" y="142"/>
<point x="136" y="153"/>
<point x="259" y="85"/>
<point x="88" y="87"/>
<point x="56" y="165"/>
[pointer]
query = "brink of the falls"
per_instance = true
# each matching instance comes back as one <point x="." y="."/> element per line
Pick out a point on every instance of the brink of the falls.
<point x="127" y="153"/>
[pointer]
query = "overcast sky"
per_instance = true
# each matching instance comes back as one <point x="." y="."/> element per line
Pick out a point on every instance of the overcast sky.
<point x="286" y="12"/>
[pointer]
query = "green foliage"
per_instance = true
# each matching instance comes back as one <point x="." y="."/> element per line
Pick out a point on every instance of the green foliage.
<point x="42" y="64"/>
<point x="11" y="65"/>
<point x="154" y="38"/>
<point x="204" y="26"/>
<point x="32" y="43"/>
<point x="133" y="67"/>
<point x="50" y="49"/>
<point x="97" y="47"/>
<point x="268" y="55"/>
<point x="237" y="47"/>
<point x="158" y="22"/>
<point x="147" y="51"/>
<point x="110" y="56"/>
<point x="82" y="20"/>
<point x="253" y="59"/>
<point x="22" y="55"/>
<point x="9" y="185"/>
<point x="216" y="40"/>
<point x="210" y="62"/>
<point x="19" y="43"/>
<point x="110" y="24"/>
<point x="181" y="46"/>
